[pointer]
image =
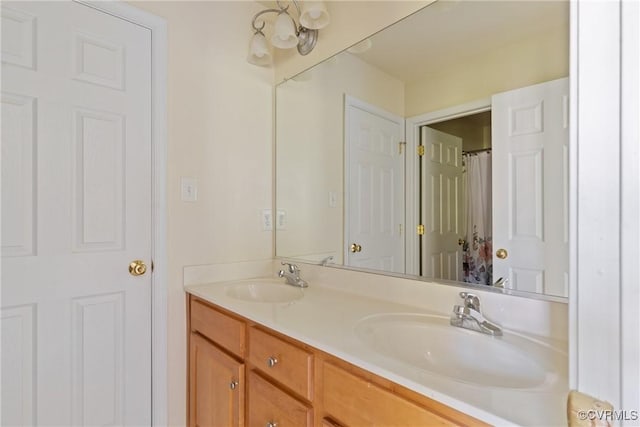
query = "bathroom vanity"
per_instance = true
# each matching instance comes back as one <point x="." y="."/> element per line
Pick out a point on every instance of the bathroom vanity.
<point x="241" y="373"/>
<point x="263" y="353"/>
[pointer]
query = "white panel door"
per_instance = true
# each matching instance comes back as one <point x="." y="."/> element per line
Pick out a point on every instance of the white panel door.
<point x="441" y="208"/>
<point x="76" y="210"/>
<point x="374" y="188"/>
<point x="530" y="136"/>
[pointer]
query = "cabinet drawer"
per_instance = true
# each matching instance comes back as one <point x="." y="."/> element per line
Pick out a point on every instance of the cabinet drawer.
<point x="284" y="362"/>
<point x="354" y="401"/>
<point x="220" y="328"/>
<point x="269" y="405"/>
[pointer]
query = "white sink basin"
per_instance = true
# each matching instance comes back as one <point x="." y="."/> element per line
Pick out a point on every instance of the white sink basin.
<point x="429" y="343"/>
<point x="264" y="291"/>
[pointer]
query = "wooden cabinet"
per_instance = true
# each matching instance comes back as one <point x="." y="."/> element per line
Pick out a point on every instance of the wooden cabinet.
<point x="225" y="330"/>
<point x="286" y="363"/>
<point x="217" y="384"/>
<point x="290" y="384"/>
<point x="328" y="423"/>
<point x="270" y="406"/>
<point x="354" y="401"/>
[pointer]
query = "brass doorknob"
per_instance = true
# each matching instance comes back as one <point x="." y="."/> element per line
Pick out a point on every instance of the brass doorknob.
<point x="460" y="241"/>
<point x="355" y="247"/>
<point x="502" y="253"/>
<point x="137" y="268"/>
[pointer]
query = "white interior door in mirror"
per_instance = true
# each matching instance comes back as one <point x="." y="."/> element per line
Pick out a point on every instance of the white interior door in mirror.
<point x="530" y="136"/>
<point x="76" y="211"/>
<point x="441" y="201"/>
<point x="374" y="188"/>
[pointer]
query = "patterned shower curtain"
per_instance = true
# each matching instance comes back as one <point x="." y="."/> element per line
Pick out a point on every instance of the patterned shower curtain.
<point x="477" y="247"/>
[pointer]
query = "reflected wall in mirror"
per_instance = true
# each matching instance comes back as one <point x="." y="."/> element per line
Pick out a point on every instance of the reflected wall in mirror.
<point x="436" y="148"/>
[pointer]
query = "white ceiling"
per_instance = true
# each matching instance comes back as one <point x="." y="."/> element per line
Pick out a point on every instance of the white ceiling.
<point x="449" y="31"/>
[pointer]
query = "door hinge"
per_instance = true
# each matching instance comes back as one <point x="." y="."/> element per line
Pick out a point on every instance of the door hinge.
<point x="420" y="230"/>
<point x="400" y="227"/>
<point x="401" y="146"/>
<point x="420" y="150"/>
<point x="153" y="266"/>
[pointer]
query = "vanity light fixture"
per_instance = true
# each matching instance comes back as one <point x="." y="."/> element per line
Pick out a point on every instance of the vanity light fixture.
<point x="287" y="33"/>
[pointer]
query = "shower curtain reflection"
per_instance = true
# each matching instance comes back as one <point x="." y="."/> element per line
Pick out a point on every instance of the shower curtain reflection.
<point x="477" y="247"/>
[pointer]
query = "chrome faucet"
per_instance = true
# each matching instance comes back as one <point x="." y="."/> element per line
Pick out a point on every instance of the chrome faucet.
<point x="326" y="260"/>
<point x="501" y="282"/>
<point x="292" y="275"/>
<point x="469" y="316"/>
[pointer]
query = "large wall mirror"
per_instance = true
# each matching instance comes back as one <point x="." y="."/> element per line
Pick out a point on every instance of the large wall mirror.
<point x="436" y="148"/>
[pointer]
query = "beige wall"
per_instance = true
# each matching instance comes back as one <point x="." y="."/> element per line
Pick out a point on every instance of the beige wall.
<point x="219" y="131"/>
<point x="351" y="21"/>
<point x="310" y="150"/>
<point x="516" y="64"/>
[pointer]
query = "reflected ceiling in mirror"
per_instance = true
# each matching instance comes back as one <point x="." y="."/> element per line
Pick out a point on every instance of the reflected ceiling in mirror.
<point x="464" y="76"/>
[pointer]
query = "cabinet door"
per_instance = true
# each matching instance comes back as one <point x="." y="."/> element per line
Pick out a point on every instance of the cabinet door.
<point x="216" y="386"/>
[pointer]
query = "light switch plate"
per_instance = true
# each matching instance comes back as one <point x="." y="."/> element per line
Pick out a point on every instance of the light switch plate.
<point x="267" y="220"/>
<point x="333" y="199"/>
<point x="281" y="220"/>
<point x="189" y="189"/>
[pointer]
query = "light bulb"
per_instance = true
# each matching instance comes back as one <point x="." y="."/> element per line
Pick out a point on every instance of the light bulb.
<point x="284" y="36"/>
<point x="259" y="53"/>
<point x="314" y="15"/>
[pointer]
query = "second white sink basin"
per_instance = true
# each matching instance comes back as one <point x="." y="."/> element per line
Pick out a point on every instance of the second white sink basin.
<point x="429" y="343"/>
<point x="269" y="291"/>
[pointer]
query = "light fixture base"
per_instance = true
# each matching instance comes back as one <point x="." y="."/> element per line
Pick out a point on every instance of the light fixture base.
<point x="307" y="39"/>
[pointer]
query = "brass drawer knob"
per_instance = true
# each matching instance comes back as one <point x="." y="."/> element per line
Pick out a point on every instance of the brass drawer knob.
<point x="272" y="361"/>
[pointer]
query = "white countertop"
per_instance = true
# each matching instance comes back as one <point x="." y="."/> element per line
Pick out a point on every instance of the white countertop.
<point x="325" y="319"/>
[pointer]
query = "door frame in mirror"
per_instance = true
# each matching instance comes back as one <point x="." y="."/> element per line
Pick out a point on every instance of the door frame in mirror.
<point x="412" y="134"/>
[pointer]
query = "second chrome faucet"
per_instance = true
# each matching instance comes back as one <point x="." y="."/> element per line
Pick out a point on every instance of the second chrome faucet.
<point x="469" y="316"/>
<point x="292" y="275"/>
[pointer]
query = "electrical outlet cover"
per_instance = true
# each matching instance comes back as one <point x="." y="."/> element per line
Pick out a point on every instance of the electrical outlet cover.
<point x="267" y="220"/>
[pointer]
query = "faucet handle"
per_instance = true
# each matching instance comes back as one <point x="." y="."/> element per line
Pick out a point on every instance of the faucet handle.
<point x="470" y="300"/>
<point x="291" y="267"/>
